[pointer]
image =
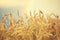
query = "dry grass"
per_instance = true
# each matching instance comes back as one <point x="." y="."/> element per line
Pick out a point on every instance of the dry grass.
<point x="38" y="28"/>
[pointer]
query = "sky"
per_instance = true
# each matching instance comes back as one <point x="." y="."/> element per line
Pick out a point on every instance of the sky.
<point x="47" y="6"/>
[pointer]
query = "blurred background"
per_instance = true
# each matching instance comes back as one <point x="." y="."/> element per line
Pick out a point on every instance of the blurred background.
<point x="24" y="6"/>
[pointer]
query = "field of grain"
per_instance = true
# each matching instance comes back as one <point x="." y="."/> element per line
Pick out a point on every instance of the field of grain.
<point x="39" y="27"/>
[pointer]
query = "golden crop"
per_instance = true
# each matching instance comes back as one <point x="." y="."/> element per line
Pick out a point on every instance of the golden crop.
<point x="37" y="27"/>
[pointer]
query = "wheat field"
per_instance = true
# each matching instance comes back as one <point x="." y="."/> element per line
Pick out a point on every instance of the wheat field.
<point x="38" y="27"/>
